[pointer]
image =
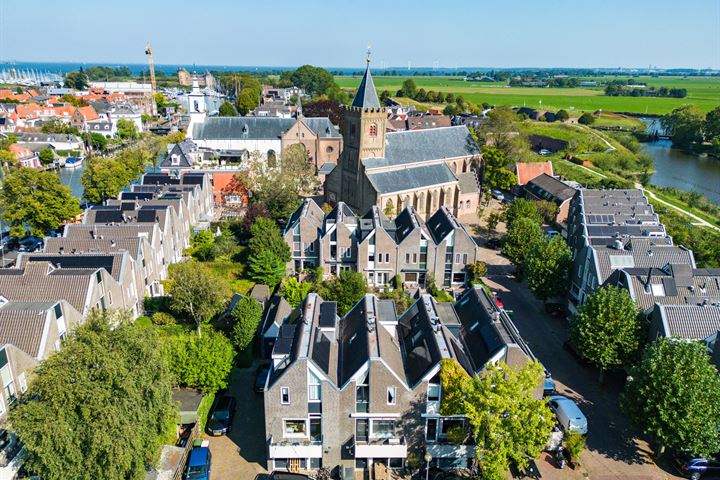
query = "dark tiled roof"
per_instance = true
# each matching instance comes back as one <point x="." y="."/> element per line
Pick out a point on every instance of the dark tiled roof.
<point x="441" y="223"/>
<point x="416" y="146"/>
<point x="326" y="168"/>
<point x="354" y="344"/>
<point x="366" y="96"/>
<point x="418" y="343"/>
<point x="407" y="221"/>
<point x="411" y="178"/>
<point x="111" y="262"/>
<point x="640" y="253"/>
<point x="322" y="126"/>
<point x="257" y="128"/>
<point x="56" y="245"/>
<point x="549" y="188"/>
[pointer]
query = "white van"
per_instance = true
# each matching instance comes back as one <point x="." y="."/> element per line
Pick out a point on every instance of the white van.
<point x="569" y="416"/>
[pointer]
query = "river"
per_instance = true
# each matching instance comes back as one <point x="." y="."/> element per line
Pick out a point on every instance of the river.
<point x="71" y="178"/>
<point x="675" y="168"/>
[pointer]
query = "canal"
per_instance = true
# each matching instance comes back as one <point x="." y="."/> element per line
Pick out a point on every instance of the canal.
<point x="675" y="168"/>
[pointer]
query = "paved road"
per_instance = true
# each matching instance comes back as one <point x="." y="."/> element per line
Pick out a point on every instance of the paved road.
<point x="614" y="450"/>
<point x="697" y="220"/>
<point x="241" y="455"/>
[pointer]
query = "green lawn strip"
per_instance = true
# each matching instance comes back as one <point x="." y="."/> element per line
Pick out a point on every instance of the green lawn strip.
<point x="680" y="204"/>
<point x="204" y="410"/>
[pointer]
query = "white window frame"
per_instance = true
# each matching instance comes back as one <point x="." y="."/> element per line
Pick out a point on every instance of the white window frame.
<point x="391" y="395"/>
<point x="296" y="435"/>
<point x="284" y="392"/>
<point x="22" y="382"/>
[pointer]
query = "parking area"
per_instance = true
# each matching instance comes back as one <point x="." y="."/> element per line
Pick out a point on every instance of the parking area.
<point x="614" y="448"/>
<point x="241" y="455"/>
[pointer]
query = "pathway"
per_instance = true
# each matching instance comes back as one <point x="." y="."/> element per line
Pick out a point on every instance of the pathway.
<point x="697" y="220"/>
<point x="585" y="168"/>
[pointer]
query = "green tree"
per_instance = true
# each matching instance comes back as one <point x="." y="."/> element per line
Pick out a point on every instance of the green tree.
<point x="103" y="178"/>
<point x="105" y="395"/>
<point x="496" y="175"/>
<point x="477" y="270"/>
<point x="685" y="125"/>
<point x="408" y="89"/>
<point x="55" y="125"/>
<point x="509" y="423"/>
<point x="562" y="116"/>
<point x="523" y="234"/>
<point x="202" y="362"/>
<point x="46" y="156"/>
<point x="712" y="123"/>
<point x="202" y="245"/>
<point x="266" y="268"/>
<point x="36" y="200"/>
<point x="127" y="129"/>
<point x="522" y="208"/>
<point x="547" y="210"/>
<point x="246" y="316"/>
<point x="586" y="119"/>
<point x="502" y="128"/>
<point x="294" y="291"/>
<point x="346" y="289"/>
<point x="98" y="141"/>
<point x="76" y="80"/>
<point x="673" y="396"/>
<point x="227" y="109"/>
<point x="609" y="328"/>
<point x="314" y="80"/>
<point x="389" y="209"/>
<point x="196" y="291"/>
<point x="547" y="264"/>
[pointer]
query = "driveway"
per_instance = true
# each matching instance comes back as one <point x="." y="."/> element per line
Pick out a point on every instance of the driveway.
<point x="614" y="449"/>
<point x="241" y="455"/>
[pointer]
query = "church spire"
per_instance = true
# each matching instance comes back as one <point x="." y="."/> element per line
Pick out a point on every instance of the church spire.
<point x="298" y="111"/>
<point x="366" y="96"/>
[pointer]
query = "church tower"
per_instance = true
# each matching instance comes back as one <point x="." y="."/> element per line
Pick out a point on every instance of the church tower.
<point x="364" y="134"/>
<point x="196" y="106"/>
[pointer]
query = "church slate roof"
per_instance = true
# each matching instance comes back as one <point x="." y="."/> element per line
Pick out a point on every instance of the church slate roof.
<point x="411" y="178"/>
<point x="366" y="96"/>
<point x="467" y="182"/>
<point x="416" y="146"/>
<point x="258" y="128"/>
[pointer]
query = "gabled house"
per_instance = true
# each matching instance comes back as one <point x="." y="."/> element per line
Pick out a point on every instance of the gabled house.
<point x="548" y="188"/>
<point x="301" y="234"/>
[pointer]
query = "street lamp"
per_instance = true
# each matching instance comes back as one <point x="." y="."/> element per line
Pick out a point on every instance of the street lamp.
<point x="428" y="459"/>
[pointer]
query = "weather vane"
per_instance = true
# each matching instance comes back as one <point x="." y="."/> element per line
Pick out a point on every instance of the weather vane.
<point x="368" y="53"/>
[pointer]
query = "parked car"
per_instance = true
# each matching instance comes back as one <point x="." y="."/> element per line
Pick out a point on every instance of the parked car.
<point x="261" y="375"/>
<point x="198" y="466"/>
<point x="498" y="195"/>
<point x="697" y="467"/>
<point x="221" y="416"/>
<point x="548" y="385"/>
<point x="9" y="243"/>
<point x="568" y="414"/>
<point x="498" y="301"/>
<point x="31" y="244"/>
<point x="552" y="233"/>
<point x="544" y="151"/>
<point x="493" y="243"/>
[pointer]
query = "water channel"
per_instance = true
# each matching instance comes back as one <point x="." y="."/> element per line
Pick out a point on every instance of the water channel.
<point x="675" y="168"/>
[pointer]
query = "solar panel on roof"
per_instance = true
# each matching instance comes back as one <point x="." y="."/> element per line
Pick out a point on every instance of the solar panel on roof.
<point x="108" y="216"/>
<point x="137" y="196"/>
<point x="283" y="346"/>
<point x="77" y="261"/>
<point x="126" y="206"/>
<point x="192" y="179"/>
<point x="287" y="331"/>
<point x="328" y="312"/>
<point x="146" y="215"/>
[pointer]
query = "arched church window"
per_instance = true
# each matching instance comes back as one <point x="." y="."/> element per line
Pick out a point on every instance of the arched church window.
<point x="373" y="130"/>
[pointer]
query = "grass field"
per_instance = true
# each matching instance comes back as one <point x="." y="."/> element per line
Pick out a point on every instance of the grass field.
<point x="702" y="91"/>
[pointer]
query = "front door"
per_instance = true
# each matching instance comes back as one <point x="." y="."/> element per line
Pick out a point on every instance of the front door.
<point x="294" y="465"/>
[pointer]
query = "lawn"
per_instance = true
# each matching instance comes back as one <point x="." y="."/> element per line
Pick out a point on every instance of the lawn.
<point x="702" y="91"/>
<point x="233" y="273"/>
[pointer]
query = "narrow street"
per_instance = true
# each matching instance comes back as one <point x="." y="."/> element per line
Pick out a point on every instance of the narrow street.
<point x="613" y="449"/>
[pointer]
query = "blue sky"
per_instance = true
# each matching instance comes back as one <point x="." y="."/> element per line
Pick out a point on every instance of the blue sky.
<point x="510" y="33"/>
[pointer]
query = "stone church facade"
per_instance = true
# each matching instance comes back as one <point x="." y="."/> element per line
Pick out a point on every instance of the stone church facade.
<point x="425" y="169"/>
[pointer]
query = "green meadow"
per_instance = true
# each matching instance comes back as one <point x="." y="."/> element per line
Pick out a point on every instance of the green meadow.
<point x="702" y="91"/>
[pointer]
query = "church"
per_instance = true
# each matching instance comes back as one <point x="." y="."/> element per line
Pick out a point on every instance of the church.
<point x="424" y="169"/>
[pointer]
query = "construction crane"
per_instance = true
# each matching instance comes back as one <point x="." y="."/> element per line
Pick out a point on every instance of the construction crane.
<point x="148" y="52"/>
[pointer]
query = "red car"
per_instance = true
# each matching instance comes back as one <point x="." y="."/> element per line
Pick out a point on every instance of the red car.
<point x="498" y="301"/>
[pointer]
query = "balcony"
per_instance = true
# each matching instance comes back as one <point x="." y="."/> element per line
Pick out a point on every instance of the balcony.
<point x="394" y="447"/>
<point x="301" y="448"/>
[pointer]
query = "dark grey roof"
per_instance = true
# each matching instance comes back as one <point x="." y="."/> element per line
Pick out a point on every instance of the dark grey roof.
<point x="354" y="344"/>
<point x="640" y="253"/>
<point x="549" y="188"/>
<point x="257" y="128"/>
<point x="417" y="339"/>
<point x="414" y="146"/>
<point x="366" y="96"/>
<point x="441" y="223"/>
<point x="326" y="168"/>
<point x="407" y="221"/>
<point x="411" y="178"/>
<point x="467" y="182"/>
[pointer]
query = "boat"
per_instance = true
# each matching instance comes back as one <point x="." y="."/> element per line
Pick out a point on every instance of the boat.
<point x="73" y="162"/>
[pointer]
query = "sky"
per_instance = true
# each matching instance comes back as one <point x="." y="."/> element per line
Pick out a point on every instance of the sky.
<point x="335" y="33"/>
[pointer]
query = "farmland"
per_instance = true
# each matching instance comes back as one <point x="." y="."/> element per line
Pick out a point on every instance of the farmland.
<point x="702" y="91"/>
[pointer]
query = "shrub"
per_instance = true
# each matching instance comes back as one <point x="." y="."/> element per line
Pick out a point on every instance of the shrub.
<point x="162" y="318"/>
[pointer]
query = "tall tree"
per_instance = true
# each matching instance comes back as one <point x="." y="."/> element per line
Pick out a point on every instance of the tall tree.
<point x="46" y="156"/>
<point x="685" y="125"/>
<point x="712" y="124"/>
<point x="196" y="291"/>
<point x="246" y="315"/>
<point x="103" y="178"/>
<point x="269" y="253"/>
<point x="202" y="362"/>
<point x="127" y="129"/>
<point x="522" y="208"/>
<point x="314" y="80"/>
<point x="673" y="395"/>
<point x="76" y="80"/>
<point x="408" y="89"/>
<point x="547" y="264"/>
<point x="509" y="424"/>
<point x="346" y="289"/>
<point x="101" y="404"/>
<point x="294" y="291"/>
<point x="496" y="175"/>
<point x="523" y="234"/>
<point x="227" y="109"/>
<point x="609" y="329"/>
<point x="562" y="116"/>
<point x="266" y="268"/>
<point x="36" y="200"/>
<point x="502" y="128"/>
